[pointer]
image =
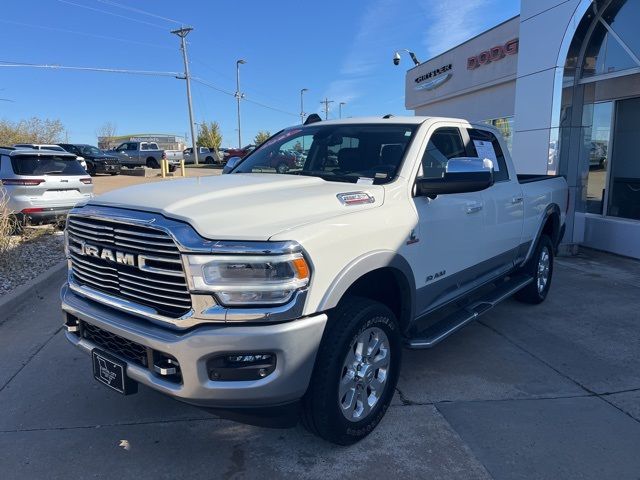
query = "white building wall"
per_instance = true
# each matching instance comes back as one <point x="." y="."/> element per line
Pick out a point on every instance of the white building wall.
<point x="539" y="70"/>
<point x="494" y="102"/>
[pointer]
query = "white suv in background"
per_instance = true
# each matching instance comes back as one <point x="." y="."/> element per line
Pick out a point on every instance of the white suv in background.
<point x="55" y="148"/>
<point x="43" y="185"/>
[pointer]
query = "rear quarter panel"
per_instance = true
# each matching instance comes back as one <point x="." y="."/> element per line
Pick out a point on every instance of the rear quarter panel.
<point x="538" y="196"/>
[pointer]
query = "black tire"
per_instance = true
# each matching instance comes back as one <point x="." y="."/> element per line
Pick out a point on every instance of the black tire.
<point x="113" y="174"/>
<point x="208" y="161"/>
<point x="172" y="168"/>
<point x="91" y="169"/>
<point x="322" y="412"/>
<point x="152" y="163"/>
<point x="535" y="292"/>
<point x="282" y="168"/>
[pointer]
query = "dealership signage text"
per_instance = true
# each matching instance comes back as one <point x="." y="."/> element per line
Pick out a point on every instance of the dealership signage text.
<point x="493" y="54"/>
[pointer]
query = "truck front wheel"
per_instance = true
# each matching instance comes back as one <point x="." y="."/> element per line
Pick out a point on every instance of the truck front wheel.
<point x="356" y="372"/>
<point x="540" y="267"/>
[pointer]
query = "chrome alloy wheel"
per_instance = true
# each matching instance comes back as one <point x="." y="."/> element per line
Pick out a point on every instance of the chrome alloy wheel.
<point x="364" y="374"/>
<point x="544" y="264"/>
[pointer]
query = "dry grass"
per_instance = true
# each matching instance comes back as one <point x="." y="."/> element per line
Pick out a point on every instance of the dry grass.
<point x="8" y="224"/>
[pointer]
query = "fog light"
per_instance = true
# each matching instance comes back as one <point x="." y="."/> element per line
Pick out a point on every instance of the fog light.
<point x="166" y="365"/>
<point x="72" y="324"/>
<point x="241" y="366"/>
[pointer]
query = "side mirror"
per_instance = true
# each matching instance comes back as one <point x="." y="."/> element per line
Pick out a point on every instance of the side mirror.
<point x="462" y="175"/>
<point x="231" y="164"/>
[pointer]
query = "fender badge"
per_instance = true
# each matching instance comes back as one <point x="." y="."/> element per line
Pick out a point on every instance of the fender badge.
<point x="355" y="198"/>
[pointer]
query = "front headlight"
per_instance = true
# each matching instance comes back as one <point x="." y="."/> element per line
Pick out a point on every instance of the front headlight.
<point x="249" y="279"/>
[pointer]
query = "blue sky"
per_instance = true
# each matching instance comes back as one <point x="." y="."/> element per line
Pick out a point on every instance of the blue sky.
<point x="339" y="49"/>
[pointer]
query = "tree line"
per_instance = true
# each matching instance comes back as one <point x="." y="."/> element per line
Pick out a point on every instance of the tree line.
<point x="52" y="131"/>
<point x="32" y="130"/>
<point x="209" y="136"/>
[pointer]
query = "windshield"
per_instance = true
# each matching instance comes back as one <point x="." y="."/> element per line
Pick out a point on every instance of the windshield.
<point x="340" y="153"/>
<point x="46" y="165"/>
<point x="90" y="150"/>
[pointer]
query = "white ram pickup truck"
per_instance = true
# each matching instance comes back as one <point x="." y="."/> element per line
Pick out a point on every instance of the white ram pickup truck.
<point x="271" y="295"/>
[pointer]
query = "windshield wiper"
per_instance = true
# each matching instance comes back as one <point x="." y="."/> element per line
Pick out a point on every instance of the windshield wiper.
<point x="326" y="176"/>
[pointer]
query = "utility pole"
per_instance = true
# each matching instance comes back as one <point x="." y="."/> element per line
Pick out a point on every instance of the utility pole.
<point x="340" y="107"/>
<point x="326" y="103"/>
<point x="239" y="96"/>
<point x="182" y="33"/>
<point x="302" y="104"/>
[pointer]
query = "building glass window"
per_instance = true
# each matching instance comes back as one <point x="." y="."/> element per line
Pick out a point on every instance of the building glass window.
<point x="622" y="16"/>
<point x="604" y="54"/>
<point x="624" y="195"/>
<point x="597" y="121"/>
<point x="505" y="127"/>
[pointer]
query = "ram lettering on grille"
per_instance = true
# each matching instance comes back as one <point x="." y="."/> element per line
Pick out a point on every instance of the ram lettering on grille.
<point x="137" y="263"/>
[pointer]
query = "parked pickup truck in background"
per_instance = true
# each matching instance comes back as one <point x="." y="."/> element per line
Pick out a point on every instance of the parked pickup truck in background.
<point x="205" y="155"/>
<point x="302" y="288"/>
<point x="147" y="154"/>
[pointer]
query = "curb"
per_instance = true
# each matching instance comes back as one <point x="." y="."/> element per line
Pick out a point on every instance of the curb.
<point x="12" y="299"/>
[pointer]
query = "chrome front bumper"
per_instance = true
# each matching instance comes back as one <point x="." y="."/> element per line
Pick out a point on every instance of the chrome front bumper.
<point x="294" y="343"/>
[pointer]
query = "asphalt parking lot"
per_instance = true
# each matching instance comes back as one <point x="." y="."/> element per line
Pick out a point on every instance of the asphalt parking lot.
<point x="105" y="183"/>
<point x="545" y="392"/>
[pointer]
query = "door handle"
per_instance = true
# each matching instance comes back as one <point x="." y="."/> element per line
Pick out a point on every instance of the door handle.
<point x="474" y="207"/>
<point x="516" y="200"/>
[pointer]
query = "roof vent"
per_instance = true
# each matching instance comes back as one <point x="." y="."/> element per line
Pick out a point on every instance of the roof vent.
<point x="388" y="115"/>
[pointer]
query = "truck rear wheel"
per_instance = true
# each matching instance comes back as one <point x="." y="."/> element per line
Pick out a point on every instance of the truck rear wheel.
<point x="356" y="372"/>
<point x="541" y="268"/>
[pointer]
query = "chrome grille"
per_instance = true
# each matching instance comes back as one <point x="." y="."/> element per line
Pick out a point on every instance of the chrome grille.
<point x="161" y="285"/>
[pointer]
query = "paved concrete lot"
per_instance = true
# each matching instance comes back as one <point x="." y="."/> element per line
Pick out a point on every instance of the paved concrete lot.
<point x="546" y="392"/>
<point x="105" y="183"/>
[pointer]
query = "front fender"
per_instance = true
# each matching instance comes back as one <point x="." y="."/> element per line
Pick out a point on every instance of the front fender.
<point x="361" y="266"/>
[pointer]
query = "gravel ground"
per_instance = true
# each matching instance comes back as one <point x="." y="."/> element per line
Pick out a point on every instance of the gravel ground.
<point x="29" y="256"/>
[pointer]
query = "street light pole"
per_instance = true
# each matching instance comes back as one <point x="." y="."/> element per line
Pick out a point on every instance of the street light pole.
<point x="302" y="104"/>
<point x="182" y="33"/>
<point x="340" y="107"/>
<point x="239" y="96"/>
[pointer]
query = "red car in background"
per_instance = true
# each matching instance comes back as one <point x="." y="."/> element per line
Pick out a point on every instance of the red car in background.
<point x="237" y="152"/>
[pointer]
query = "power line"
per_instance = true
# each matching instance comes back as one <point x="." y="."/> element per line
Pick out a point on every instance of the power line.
<point x="212" y="86"/>
<point x="111" y="13"/>
<point x="88" y="69"/>
<point x="137" y="10"/>
<point x="9" y="64"/>
<point x="270" y="107"/>
<point x="64" y="30"/>
<point x="232" y="94"/>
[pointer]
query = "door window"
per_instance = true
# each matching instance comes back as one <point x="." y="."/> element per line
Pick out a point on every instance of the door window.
<point x="444" y="144"/>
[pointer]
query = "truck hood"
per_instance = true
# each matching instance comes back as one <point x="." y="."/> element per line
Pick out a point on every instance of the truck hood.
<point x="250" y="206"/>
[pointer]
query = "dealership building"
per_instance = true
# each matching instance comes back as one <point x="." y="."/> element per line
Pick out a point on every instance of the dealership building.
<point x="164" y="141"/>
<point x="562" y="83"/>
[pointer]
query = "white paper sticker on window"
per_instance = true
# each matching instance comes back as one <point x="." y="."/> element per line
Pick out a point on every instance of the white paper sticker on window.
<point x="485" y="150"/>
